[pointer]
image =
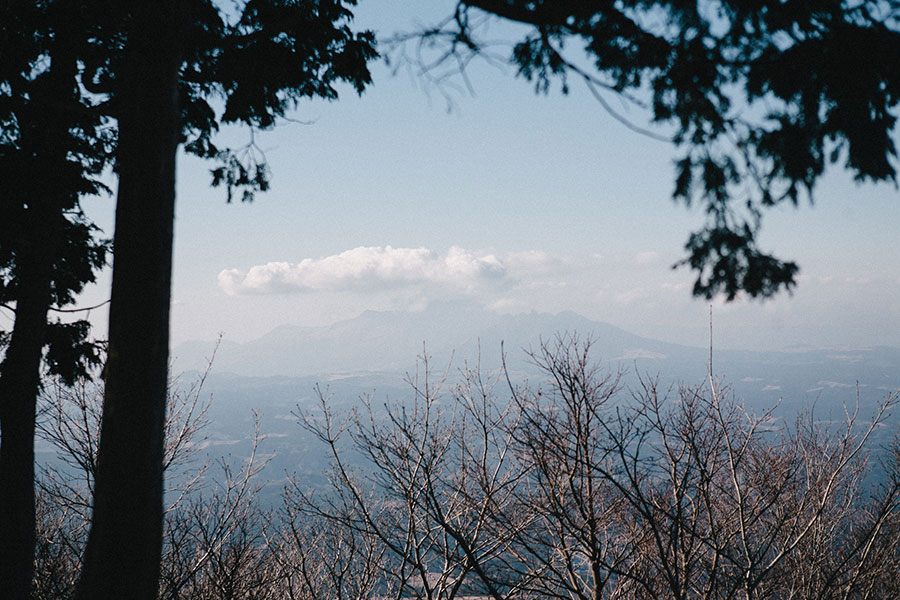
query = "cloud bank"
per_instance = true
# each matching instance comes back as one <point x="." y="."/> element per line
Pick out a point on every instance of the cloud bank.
<point x="636" y="291"/>
<point x="370" y="268"/>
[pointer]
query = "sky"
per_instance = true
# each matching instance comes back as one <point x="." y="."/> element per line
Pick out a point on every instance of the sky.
<point x="509" y="200"/>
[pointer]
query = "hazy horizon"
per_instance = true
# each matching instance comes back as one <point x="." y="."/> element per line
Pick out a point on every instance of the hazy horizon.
<point x="512" y="201"/>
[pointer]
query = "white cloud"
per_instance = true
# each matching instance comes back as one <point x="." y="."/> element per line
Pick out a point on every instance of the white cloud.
<point x="604" y="287"/>
<point x="367" y="269"/>
<point x="649" y="299"/>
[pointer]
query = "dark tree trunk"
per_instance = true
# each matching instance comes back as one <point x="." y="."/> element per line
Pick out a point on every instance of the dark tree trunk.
<point x="43" y="143"/>
<point x="124" y="545"/>
<point x="19" y="384"/>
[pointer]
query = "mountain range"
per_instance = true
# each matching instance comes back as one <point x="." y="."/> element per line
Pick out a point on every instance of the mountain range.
<point x="275" y="377"/>
<point x="381" y="346"/>
<point x="392" y="341"/>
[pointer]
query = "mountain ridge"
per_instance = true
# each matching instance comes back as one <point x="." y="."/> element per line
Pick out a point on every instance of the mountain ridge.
<point x="392" y="340"/>
<point x="455" y="335"/>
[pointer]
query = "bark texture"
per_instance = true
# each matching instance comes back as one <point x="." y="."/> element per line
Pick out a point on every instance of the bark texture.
<point x="122" y="556"/>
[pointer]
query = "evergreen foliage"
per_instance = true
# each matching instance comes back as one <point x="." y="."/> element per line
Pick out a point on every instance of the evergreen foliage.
<point x="89" y="86"/>
<point x="759" y="98"/>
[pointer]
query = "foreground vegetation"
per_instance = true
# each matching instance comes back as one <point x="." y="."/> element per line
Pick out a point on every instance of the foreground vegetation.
<point x="576" y="488"/>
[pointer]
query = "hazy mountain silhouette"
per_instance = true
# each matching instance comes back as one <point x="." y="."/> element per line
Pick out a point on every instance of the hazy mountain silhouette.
<point x="277" y="374"/>
<point x="391" y="341"/>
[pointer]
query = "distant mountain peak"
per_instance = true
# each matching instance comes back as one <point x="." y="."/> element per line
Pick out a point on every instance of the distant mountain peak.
<point x="392" y="340"/>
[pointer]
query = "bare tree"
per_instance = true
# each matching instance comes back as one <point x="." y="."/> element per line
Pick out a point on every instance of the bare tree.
<point x="576" y="489"/>
<point x="579" y="489"/>
<point x="215" y="536"/>
<point x="436" y="472"/>
<point x="570" y="533"/>
<point x="69" y="421"/>
<point x="694" y="496"/>
<point x="324" y="558"/>
<point x="215" y="544"/>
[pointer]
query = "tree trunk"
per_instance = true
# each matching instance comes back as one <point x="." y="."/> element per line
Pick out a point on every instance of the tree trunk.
<point x="44" y="141"/>
<point x="19" y="384"/>
<point x="122" y="556"/>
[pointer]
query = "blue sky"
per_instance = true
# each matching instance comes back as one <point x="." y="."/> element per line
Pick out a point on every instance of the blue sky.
<point x="513" y="201"/>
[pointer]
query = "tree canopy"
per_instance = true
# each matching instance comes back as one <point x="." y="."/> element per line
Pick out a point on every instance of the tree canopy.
<point x="53" y="149"/>
<point x="52" y="152"/>
<point x="94" y="85"/>
<point x="758" y="98"/>
<point x="169" y="64"/>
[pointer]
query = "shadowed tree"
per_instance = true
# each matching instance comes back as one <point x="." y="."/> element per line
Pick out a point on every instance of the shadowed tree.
<point x="52" y="150"/>
<point x="86" y="85"/>
<point x="758" y="97"/>
<point x="212" y="542"/>
<point x="173" y="59"/>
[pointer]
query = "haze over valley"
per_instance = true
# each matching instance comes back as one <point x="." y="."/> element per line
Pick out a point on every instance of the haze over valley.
<point x="374" y="355"/>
